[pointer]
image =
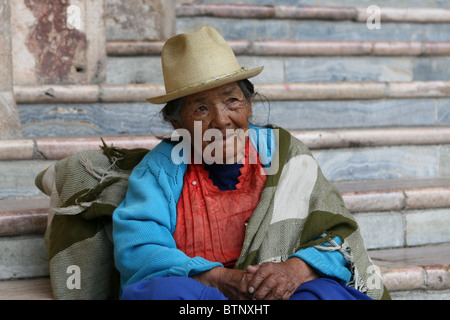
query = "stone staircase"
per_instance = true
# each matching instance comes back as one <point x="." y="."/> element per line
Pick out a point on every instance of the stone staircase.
<point x="373" y="105"/>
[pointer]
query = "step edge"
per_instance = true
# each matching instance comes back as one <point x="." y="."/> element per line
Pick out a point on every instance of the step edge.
<point x="54" y="148"/>
<point x="295" y="48"/>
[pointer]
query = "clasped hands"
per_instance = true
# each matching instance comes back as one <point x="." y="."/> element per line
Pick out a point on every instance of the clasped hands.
<point x="268" y="281"/>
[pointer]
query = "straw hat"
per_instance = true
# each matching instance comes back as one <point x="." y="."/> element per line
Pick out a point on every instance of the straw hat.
<point x="199" y="61"/>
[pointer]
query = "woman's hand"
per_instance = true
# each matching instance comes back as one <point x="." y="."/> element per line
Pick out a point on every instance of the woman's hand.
<point x="270" y="281"/>
<point x="278" y="281"/>
<point x="231" y="282"/>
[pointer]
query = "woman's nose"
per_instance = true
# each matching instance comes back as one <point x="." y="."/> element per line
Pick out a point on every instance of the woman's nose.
<point x="221" y="119"/>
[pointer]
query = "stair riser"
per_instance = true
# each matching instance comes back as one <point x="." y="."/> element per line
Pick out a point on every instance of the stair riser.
<point x="421" y="295"/>
<point x="383" y="163"/>
<point x="122" y="70"/>
<point x="78" y="119"/>
<point x="337" y="165"/>
<point x="23" y="257"/>
<point x="404" y="228"/>
<point x="252" y="29"/>
<point x="18" y="178"/>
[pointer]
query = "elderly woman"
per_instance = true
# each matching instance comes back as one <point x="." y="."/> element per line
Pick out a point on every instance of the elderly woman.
<point x="243" y="212"/>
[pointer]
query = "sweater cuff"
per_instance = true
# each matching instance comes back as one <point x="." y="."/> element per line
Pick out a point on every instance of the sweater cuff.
<point x="192" y="267"/>
<point x="329" y="264"/>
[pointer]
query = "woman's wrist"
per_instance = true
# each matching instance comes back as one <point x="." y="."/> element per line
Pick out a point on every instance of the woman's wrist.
<point x="305" y="271"/>
<point x="231" y="282"/>
<point x="210" y="278"/>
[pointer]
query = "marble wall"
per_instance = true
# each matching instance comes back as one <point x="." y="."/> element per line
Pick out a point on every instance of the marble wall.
<point x="58" y="42"/>
<point x="63" y="41"/>
<point x="10" y="126"/>
<point x="143" y="118"/>
<point x="139" y="20"/>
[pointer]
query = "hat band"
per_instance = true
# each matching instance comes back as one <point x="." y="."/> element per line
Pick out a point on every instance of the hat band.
<point x="202" y="83"/>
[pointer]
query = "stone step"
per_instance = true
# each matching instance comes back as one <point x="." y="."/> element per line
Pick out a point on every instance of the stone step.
<point x="344" y="155"/>
<point x="307" y="30"/>
<point x="141" y="118"/>
<point x="147" y="69"/>
<point x="23" y="216"/>
<point x="55" y="148"/>
<point x="316" y="23"/>
<point x="334" y="3"/>
<point x="23" y="222"/>
<point x="23" y="256"/>
<point x="125" y="23"/>
<point x="27" y="215"/>
<point x="299" y="61"/>
<point x="26" y="289"/>
<point x="300" y="12"/>
<point x="129" y="48"/>
<point x="415" y="273"/>
<point x="405" y="212"/>
<point x="408" y="273"/>
<point x="119" y="93"/>
<point x="57" y="110"/>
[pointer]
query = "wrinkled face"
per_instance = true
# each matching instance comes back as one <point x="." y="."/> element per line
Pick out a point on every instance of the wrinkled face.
<point x="220" y="113"/>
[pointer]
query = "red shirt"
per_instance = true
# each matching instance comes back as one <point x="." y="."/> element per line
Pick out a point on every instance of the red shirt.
<point x="211" y="223"/>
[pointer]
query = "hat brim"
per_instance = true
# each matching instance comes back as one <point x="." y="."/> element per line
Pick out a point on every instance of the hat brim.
<point x="206" y="85"/>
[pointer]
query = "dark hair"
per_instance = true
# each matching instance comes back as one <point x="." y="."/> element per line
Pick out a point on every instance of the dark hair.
<point x="248" y="89"/>
<point x="172" y="110"/>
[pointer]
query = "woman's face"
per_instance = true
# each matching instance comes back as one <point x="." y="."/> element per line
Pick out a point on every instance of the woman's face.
<point x="219" y="112"/>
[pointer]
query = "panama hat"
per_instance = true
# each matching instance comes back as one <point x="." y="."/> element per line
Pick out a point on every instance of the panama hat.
<point x="194" y="62"/>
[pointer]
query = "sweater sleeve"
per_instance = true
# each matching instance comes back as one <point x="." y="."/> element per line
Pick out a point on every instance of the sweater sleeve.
<point x="144" y="223"/>
<point x="327" y="263"/>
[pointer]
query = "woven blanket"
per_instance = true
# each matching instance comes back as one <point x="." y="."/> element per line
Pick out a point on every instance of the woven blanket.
<point x="84" y="191"/>
<point x="300" y="208"/>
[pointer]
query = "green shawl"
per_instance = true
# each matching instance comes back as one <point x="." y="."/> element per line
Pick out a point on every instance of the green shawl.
<point x="84" y="191"/>
<point x="297" y="207"/>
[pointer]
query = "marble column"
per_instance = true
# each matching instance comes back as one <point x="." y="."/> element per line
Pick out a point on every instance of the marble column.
<point x="10" y="126"/>
<point x="58" y="42"/>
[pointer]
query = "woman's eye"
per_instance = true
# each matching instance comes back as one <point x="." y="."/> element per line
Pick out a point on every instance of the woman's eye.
<point x="201" y="109"/>
<point x="234" y="103"/>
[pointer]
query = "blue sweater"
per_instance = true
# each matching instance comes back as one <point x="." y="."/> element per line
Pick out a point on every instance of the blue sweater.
<point x="144" y="223"/>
